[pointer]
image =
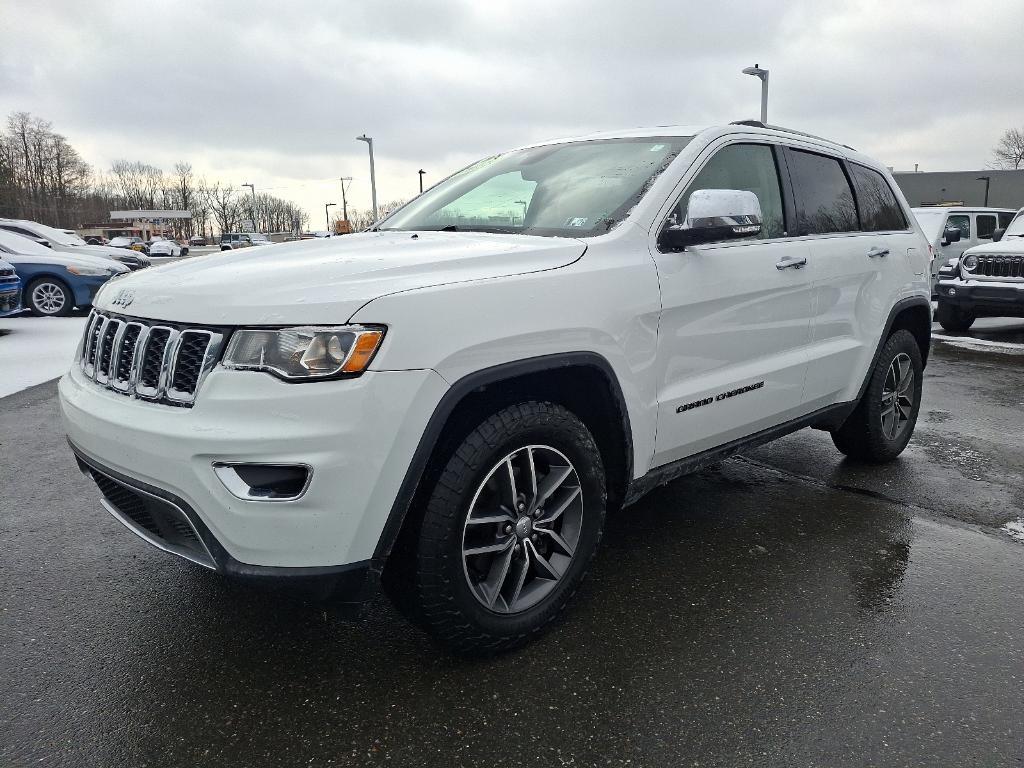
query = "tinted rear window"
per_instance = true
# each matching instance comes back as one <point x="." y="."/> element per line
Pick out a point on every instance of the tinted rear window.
<point x="879" y="210"/>
<point x="824" y="200"/>
<point x="986" y="223"/>
<point x="1005" y="219"/>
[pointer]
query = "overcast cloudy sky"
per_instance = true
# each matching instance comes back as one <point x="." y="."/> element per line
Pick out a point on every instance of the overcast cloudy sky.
<point x="274" y="93"/>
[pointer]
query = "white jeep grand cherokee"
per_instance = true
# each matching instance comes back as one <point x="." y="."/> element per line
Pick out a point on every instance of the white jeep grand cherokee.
<point x="450" y="403"/>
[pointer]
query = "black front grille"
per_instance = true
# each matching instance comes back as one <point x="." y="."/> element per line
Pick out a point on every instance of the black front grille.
<point x="153" y="518"/>
<point x="126" y="354"/>
<point x="159" y="362"/>
<point x="189" y="362"/>
<point x="1000" y="266"/>
<point x="153" y="358"/>
<point x="6" y="272"/>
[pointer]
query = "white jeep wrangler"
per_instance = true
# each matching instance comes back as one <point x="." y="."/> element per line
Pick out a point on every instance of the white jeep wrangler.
<point x="451" y="403"/>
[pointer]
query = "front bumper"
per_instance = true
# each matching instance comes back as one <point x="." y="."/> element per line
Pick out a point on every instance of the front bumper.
<point x="358" y="435"/>
<point x="10" y="298"/>
<point x="984" y="297"/>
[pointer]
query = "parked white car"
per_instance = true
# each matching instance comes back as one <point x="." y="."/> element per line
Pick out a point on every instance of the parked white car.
<point x="951" y="230"/>
<point x="70" y="243"/>
<point x="986" y="281"/>
<point x="166" y="247"/>
<point x="451" y="402"/>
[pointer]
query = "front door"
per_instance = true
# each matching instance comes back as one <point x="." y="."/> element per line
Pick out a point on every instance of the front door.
<point x="735" y="319"/>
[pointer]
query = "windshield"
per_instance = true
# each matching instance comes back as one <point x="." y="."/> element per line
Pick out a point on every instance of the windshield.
<point x="117" y="242"/>
<point x="1016" y="228"/>
<point x="931" y="222"/>
<point x="60" y="236"/>
<point x="12" y="243"/>
<point x="577" y="189"/>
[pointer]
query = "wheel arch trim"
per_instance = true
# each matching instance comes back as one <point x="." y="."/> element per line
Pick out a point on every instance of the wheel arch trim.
<point x="451" y="400"/>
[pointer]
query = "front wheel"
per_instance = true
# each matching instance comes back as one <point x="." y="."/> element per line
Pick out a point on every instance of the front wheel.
<point x="953" y="319"/>
<point x="881" y="426"/>
<point x="509" y="529"/>
<point x="49" y="297"/>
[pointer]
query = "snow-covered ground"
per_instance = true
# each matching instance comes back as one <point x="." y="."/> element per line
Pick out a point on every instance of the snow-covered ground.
<point x="36" y="349"/>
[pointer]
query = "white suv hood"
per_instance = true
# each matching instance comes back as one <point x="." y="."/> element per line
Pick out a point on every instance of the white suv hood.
<point x="1006" y="246"/>
<point x="326" y="280"/>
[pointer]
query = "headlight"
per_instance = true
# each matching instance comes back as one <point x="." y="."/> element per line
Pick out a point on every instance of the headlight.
<point x="970" y="262"/>
<point x="302" y="354"/>
<point x="88" y="271"/>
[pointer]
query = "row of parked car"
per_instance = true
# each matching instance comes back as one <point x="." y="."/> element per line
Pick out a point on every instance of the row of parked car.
<point x="51" y="271"/>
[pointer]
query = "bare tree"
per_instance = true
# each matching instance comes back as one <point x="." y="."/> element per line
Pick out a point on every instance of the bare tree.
<point x="1009" y="152"/>
<point x="225" y="208"/>
<point x="139" y="184"/>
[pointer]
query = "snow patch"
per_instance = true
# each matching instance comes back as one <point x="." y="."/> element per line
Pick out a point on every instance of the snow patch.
<point x="1015" y="529"/>
<point x="972" y="343"/>
<point x="36" y="349"/>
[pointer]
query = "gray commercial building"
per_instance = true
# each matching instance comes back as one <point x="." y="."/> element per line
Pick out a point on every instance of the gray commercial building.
<point x="1005" y="188"/>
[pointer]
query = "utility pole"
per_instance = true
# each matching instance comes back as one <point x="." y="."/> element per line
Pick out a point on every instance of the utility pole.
<point x="421" y="172"/>
<point x="344" y="203"/>
<point x="327" y="214"/>
<point x="988" y="181"/>
<point x="252" y="207"/>
<point x="756" y="71"/>
<point x="373" y="176"/>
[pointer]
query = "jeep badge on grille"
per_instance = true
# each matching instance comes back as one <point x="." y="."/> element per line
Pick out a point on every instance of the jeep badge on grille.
<point x="124" y="297"/>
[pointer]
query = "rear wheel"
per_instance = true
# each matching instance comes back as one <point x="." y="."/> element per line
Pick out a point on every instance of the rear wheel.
<point x="881" y="426"/>
<point x="49" y="297"/>
<point x="509" y="530"/>
<point x="953" y="319"/>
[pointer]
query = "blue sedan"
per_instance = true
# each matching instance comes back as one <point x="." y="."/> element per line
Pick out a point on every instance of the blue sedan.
<point x="10" y="290"/>
<point x="55" y="282"/>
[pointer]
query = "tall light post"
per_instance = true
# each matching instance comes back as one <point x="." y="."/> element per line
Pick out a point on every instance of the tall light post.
<point x="988" y="181"/>
<point x="373" y="176"/>
<point x="421" y="172"/>
<point x="327" y="214"/>
<point x="252" y="208"/>
<point x="756" y="71"/>
<point x="344" y="203"/>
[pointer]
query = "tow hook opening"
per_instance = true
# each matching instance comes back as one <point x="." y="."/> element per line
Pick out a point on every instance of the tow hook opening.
<point x="264" y="482"/>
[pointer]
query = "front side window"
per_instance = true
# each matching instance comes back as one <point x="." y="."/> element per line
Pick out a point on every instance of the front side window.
<point x="576" y="189"/>
<point x="985" y="225"/>
<point x="962" y="222"/>
<point x="747" y="167"/>
<point x="879" y="210"/>
<point x="824" y="200"/>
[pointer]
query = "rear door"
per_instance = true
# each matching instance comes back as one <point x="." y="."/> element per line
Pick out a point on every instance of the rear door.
<point x="985" y="224"/>
<point x="862" y="249"/>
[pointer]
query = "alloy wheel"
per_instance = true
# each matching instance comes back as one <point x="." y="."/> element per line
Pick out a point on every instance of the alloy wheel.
<point x="48" y="298"/>
<point x="897" y="396"/>
<point x="522" y="529"/>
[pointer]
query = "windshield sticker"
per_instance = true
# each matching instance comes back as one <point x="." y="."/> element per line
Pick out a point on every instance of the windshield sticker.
<point x="577" y="222"/>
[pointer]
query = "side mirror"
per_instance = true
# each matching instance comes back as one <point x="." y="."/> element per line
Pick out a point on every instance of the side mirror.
<point x="951" y="235"/>
<point x="713" y="215"/>
<point x="997" y="235"/>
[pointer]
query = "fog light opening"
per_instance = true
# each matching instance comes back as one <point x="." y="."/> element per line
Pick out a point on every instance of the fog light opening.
<point x="264" y="482"/>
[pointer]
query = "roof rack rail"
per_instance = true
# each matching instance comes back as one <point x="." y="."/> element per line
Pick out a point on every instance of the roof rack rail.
<point x="759" y="124"/>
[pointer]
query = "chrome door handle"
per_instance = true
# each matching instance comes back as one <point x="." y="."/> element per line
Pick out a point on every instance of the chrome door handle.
<point x="878" y="251"/>
<point x="791" y="261"/>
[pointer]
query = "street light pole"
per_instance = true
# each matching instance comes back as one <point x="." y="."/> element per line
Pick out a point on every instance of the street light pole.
<point x="327" y="214"/>
<point x="373" y="176"/>
<point x="421" y="172"/>
<point x="988" y="181"/>
<point x="344" y="203"/>
<point x="252" y="208"/>
<point x="756" y="71"/>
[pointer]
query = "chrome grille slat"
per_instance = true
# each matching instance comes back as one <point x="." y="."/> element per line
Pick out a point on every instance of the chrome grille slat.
<point x="151" y="361"/>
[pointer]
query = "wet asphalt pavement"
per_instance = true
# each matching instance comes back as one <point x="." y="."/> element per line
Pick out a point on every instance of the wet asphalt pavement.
<point x="785" y="608"/>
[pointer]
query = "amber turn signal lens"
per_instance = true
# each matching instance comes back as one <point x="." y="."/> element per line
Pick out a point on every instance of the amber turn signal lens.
<point x="362" y="353"/>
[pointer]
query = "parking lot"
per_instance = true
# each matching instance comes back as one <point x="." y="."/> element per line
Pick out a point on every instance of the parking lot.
<point x="786" y="607"/>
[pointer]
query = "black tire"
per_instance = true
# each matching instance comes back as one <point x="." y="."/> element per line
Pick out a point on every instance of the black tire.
<point x="439" y="584"/>
<point x="184" y="252"/>
<point x="864" y="434"/>
<point x="38" y="289"/>
<point x="953" y="319"/>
